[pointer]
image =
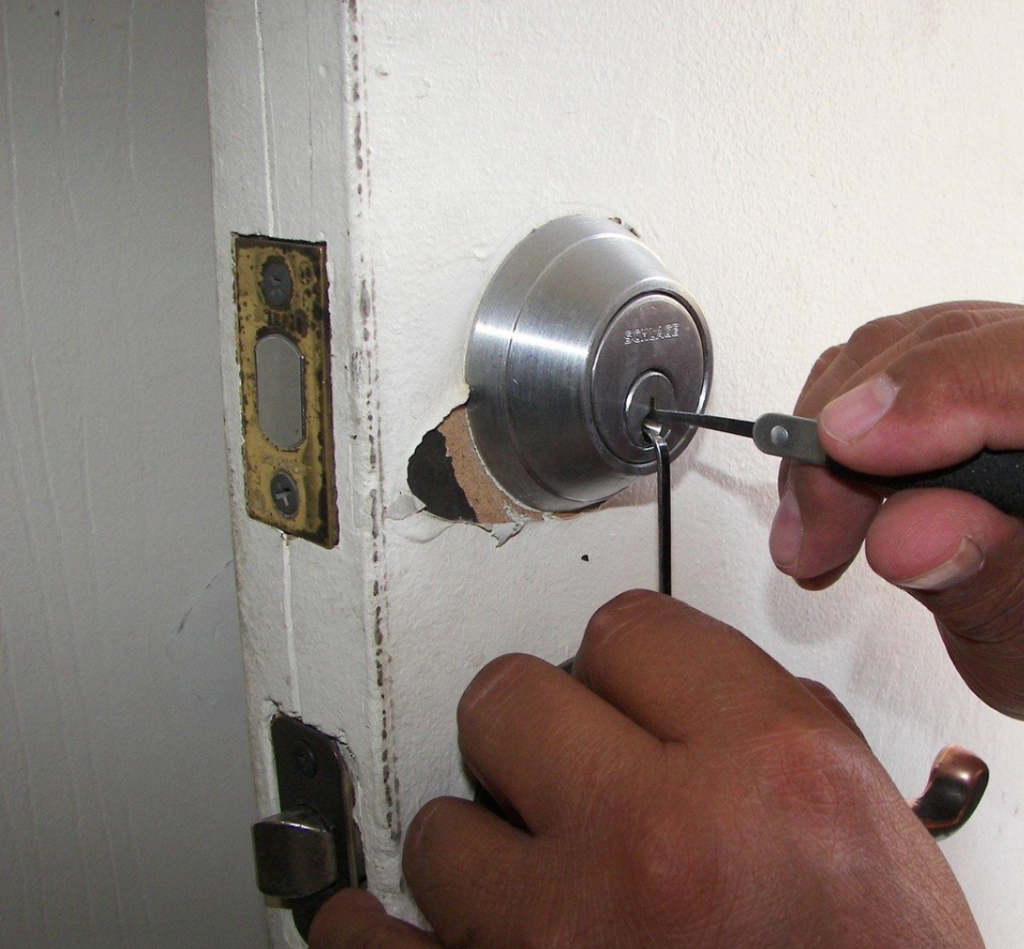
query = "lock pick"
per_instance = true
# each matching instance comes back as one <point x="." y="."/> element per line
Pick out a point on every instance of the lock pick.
<point x="785" y="436"/>
<point x="994" y="476"/>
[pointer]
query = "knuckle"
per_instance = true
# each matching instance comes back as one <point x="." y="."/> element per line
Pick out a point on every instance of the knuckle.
<point x="418" y="834"/>
<point x="680" y="856"/>
<point x="662" y="867"/>
<point x="873" y="338"/>
<point x="991" y="670"/>
<point x="971" y="377"/>
<point x="867" y="343"/>
<point x="949" y="322"/>
<point x="496" y="677"/>
<point x="628" y="601"/>
<point x="352" y="919"/>
<point x="825" y="360"/>
<point x="379" y="938"/>
<point x="615" y="630"/>
<point x="831" y="702"/>
<point x="816" y="773"/>
<point x="619" y="614"/>
<point x="828" y="355"/>
<point x="993" y="614"/>
<point x="969" y="359"/>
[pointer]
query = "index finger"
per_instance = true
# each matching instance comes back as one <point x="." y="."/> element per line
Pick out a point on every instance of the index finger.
<point x="877" y="343"/>
<point x="540" y="742"/>
<point x="936" y="404"/>
<point x="689" y="678"/>
<point x="869" y="345"/>
<point x="823" y="519"/>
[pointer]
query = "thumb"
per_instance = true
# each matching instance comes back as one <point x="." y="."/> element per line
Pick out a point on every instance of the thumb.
<point x="939" y="403"/>
<point x="962" y="559"/>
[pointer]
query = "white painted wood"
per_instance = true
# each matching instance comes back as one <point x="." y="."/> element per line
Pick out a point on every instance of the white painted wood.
<point x="801" y="168"/>
<point x="125" y="796"/>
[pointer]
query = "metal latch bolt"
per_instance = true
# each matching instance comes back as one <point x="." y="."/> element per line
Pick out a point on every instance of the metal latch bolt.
<point x="311" y="849"/>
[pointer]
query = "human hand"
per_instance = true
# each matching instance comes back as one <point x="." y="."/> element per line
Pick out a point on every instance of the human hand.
<point x="906" y="394"/>
<point x="682" y="789"/>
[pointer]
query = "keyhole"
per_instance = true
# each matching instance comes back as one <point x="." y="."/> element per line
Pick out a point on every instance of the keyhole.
<point x="651" y="425"/>
<point x="650" y="389"/>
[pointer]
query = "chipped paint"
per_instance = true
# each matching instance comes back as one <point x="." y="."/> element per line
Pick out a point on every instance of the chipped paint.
<point x="447" y="474"/>
<point x="369" y="382"/>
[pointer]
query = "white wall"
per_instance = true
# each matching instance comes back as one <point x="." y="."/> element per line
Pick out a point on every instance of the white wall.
<point x="800" y="167"/>
<point x="125" y="794"/>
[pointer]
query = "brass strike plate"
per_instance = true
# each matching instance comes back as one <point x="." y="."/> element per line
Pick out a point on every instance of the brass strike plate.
<point x="284" y="358"/>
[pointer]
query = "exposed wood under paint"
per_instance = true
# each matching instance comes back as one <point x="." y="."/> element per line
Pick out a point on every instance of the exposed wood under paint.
<point x="446" y="474"/>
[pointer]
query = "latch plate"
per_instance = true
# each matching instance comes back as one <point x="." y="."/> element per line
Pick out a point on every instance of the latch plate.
<point x="284" y="343"/>
<point x="312" y="847"/>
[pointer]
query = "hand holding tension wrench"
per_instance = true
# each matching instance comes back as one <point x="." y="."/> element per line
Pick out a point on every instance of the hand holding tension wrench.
<point x="994" y="476"/>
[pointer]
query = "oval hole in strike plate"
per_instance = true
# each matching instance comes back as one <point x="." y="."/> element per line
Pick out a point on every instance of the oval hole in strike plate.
<point x="280" y="405"/>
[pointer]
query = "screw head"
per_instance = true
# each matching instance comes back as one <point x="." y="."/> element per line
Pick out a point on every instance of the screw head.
<point x="305" y="759"/>
<point x="276" y="283"/>
<point x="285" y="493"/>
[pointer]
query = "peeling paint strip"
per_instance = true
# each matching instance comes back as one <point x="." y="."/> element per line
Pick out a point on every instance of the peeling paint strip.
<point x="265" y="110"/>
<point x="289" y="625"/>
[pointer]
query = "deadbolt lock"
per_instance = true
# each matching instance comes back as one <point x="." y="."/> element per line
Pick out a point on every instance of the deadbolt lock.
<point x="579" y="334"/>
<point x="284" y="358"/>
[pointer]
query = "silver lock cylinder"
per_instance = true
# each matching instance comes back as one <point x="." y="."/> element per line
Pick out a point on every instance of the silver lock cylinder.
<point x="578" y="334"/>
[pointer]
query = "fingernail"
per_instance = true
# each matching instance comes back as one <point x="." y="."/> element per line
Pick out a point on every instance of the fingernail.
<point x="853" y="414"/>
<point x="787" y="532"/>
<point x="963" y="565"/>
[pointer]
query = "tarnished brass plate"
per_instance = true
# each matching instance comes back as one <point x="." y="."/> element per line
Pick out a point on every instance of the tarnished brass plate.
<point x="281" y="297"/>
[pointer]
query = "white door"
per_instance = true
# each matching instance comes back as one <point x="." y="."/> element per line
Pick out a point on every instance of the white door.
<point x="800" y="168"/>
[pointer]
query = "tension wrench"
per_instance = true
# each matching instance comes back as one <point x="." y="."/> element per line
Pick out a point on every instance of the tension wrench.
<point x="653" y="432"/>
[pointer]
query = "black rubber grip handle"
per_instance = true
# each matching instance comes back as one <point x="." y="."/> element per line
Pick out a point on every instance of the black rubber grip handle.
<point x="995" y="476"/>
